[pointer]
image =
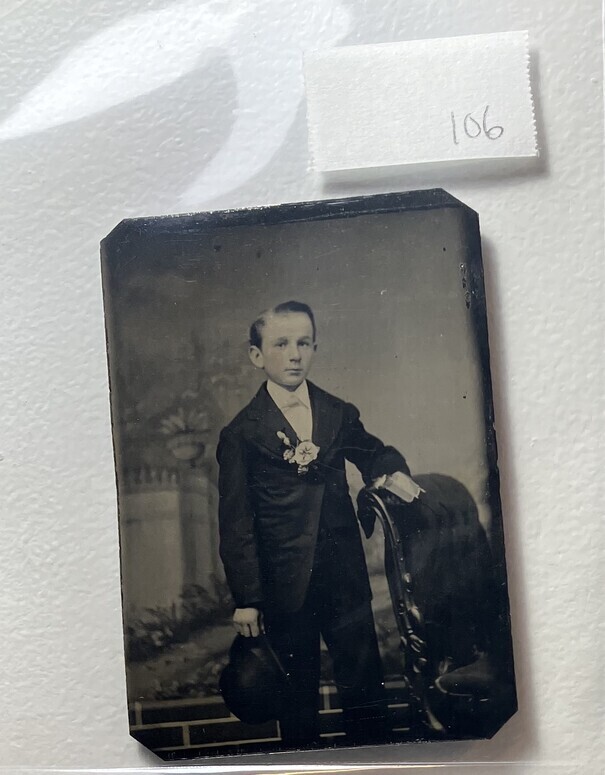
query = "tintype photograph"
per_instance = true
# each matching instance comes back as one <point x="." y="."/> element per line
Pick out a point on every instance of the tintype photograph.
<point x="308" y="493"/>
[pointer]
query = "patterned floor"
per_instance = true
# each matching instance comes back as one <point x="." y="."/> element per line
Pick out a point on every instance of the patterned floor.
<point x="179" y="729"/>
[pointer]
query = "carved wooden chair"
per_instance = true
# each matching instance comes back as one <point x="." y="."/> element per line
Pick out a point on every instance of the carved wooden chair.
<point x="451" y="614"/>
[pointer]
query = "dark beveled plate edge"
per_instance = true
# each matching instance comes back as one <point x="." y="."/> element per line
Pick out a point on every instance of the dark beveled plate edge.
<point x="122" y="237"/>
<point x="315" y="210"/>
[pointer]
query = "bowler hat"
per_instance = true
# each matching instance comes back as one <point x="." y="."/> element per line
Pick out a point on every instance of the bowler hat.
<point x="254" y="682"/>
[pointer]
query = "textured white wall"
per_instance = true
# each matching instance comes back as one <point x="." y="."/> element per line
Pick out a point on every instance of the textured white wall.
<point x="114" y="108"/>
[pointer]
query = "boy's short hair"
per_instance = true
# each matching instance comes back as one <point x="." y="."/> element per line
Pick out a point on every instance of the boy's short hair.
<point x="256" y="336"/>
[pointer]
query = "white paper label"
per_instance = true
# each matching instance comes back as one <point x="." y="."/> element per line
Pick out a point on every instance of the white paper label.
<point x="447" y="99"/>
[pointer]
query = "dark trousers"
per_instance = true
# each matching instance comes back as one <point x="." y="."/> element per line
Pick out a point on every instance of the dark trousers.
<point x="337" y="607"/>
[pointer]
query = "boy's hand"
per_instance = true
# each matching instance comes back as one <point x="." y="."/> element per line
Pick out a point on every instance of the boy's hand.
<point x="248" y="622"/>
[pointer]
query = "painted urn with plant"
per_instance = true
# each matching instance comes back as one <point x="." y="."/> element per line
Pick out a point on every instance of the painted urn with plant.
<point x="186" y="431"/>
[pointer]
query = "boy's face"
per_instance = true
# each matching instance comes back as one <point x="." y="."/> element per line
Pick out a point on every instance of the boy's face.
<point x="287" y="349"/>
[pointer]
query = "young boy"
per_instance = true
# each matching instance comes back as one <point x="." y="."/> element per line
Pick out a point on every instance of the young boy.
<point x="289" y="538"/>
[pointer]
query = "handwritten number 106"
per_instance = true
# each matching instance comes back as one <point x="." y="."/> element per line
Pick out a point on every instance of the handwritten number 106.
<point x="472" y="128"/>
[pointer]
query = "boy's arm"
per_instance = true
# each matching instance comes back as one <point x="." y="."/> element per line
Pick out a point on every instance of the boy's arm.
<point x="238" y="549"/>
<point x="373" y="458"/>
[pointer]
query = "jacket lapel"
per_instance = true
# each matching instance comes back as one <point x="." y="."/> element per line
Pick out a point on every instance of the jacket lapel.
<point x="327" y="417"/>
<point x="270" y="422"/>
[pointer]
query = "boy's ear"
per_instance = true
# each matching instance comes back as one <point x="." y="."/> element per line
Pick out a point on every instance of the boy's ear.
<point x="256" y="356"/>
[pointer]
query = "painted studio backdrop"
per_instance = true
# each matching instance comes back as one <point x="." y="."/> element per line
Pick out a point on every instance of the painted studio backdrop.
<point x="395" y="338"/>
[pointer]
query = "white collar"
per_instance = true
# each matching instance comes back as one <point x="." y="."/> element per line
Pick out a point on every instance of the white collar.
<point x="283" y="398"/>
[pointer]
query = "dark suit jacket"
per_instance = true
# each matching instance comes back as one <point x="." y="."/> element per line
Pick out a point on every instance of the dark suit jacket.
<point x="269" y="514"/>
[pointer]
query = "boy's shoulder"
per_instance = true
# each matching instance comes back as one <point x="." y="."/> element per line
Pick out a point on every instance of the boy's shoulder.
<point x="249" y="411"/>
<point x="325" y="396"/>
<point x="239" y="419"/>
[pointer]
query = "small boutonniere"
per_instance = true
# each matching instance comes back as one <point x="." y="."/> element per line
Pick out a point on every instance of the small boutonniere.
<point x="302" y="455"/>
